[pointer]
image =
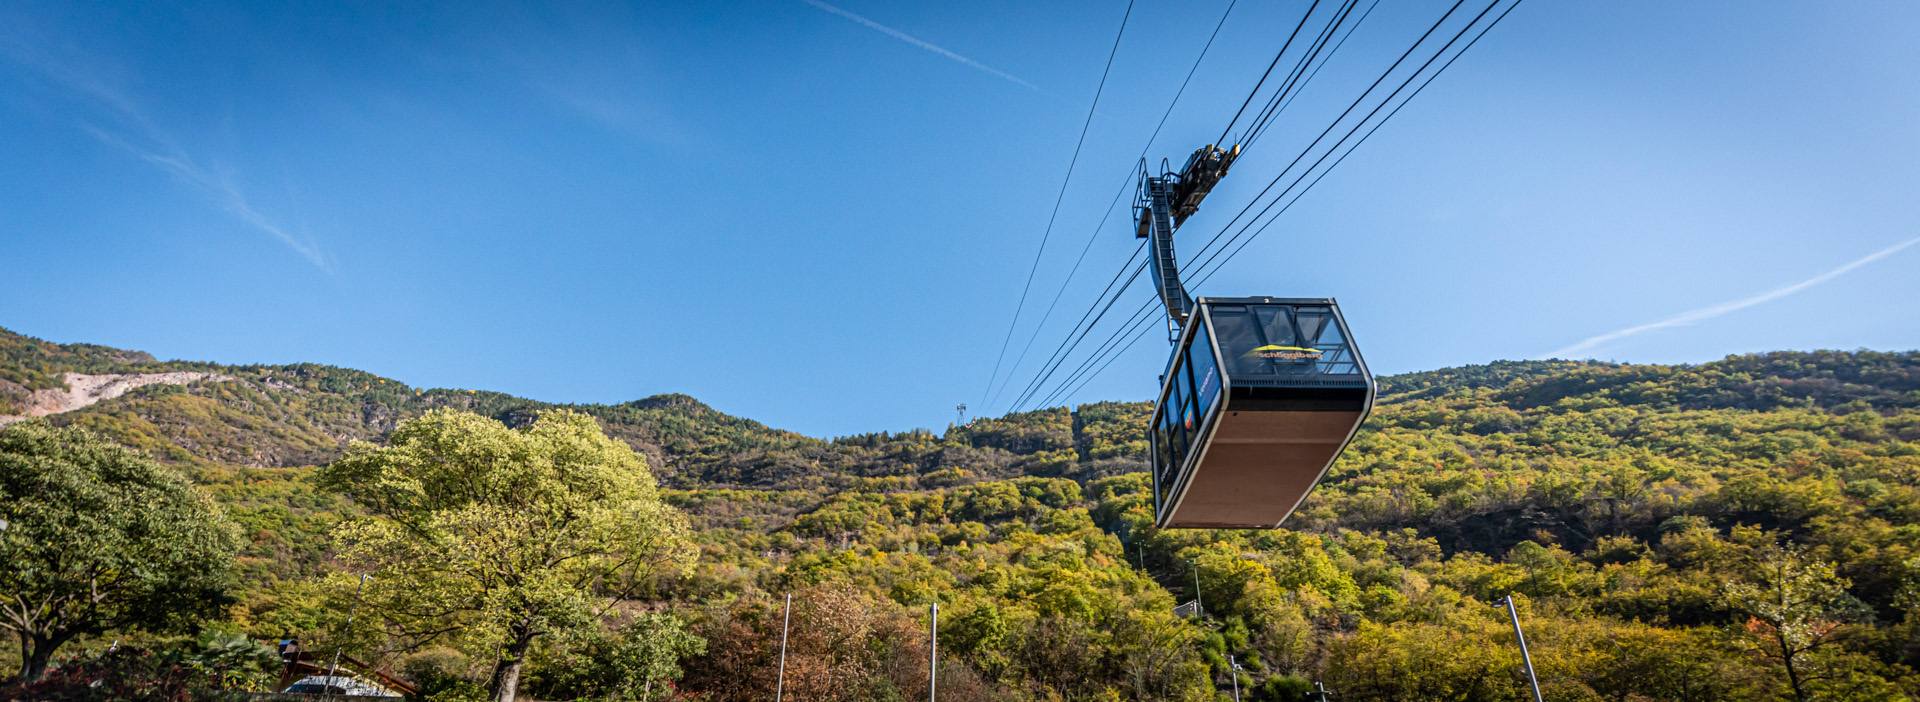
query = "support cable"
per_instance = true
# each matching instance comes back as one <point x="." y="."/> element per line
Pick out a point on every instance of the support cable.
<point x="1112" y="353"/>
<point x="1269" y="72"/>
<point x="1064" y="182"/>
<point x="1343" y="139"/>
<point x="1261" y="129"/>
<point x="1108" y="214"/>
<point x="1364" y="137"/>
<point x="1330" y="127"/>
<point x="1286" y="91"/>
<point x="1089" y="328"/>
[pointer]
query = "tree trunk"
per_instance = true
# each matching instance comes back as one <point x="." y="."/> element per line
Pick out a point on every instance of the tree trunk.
<point x="26" y="651"/>
<point x="505" y="683"/>
<point x="35" y="653"/>
<point x="1793" y="674"/>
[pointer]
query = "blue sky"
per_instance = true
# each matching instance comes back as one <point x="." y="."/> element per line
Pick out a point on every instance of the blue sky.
<point x="820" y="215"/>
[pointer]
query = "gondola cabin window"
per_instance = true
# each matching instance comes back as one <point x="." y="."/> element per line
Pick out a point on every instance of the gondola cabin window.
<point x="1206" y="374"/>
<point x="1272" y="340"/>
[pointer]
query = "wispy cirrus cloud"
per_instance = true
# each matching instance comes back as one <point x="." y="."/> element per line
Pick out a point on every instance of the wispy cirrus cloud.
<point x="218" y="188"/>
<point x="138" y="135"/>
<point x="1705" y="313"/>
<point x="922" y="43"/>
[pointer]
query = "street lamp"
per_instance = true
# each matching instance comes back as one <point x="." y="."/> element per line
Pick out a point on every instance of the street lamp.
<point x="1525" y="657"/>
<point x="335" y="668"/>
<point x="1233" y="670"/>
<point x="1199" y="608"/>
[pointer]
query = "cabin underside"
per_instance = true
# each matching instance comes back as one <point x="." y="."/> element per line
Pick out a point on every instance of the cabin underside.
<point x="1258" y="466"/>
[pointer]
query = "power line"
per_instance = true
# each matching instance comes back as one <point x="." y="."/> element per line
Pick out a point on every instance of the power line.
<point x="1048" y="232"/>
<point x="1112" y="353"/>
<point x="1108" y="214"/>
<point x="1330" y="127"/>
<point x="1356" y="128"/>
<point x="1263" y="76"/>
<point x="1376" y="126"/>
<point x="1277" y="105"/>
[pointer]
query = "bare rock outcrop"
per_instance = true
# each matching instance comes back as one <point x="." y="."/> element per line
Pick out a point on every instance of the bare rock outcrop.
<point x="83" y="390"/>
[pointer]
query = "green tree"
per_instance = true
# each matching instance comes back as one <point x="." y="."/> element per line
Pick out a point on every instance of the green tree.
<point x="97" y="538"/>
<point x="496" y="537"/>
<point x="633" y="664"/>
<point x="1795" y="604"/>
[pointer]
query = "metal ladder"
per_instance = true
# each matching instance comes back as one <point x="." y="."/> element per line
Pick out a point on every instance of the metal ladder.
<point x="1166" y="273"/>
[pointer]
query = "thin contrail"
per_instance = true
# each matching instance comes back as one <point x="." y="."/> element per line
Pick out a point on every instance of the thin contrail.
<point x="922" y="43"/>
<point x="1706" y="313"/>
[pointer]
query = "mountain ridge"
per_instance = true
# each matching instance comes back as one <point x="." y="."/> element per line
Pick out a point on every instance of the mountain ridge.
<point x="304" y="413"/>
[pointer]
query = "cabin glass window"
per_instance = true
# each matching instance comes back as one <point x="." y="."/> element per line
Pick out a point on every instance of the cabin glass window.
<point x="1163" y="452"/>
<point x="1314" y="321"/>
<point x="1276" y="326"/>
<point x="1239" y="335"/>
<point x="1160" y="438"/>
<point x="1206" y="375"/>
<point x="1176" y="400"/>
<point x="1320" y="331"/>
<point x="1189" y="418"/>
<point x="1268" y="340"/>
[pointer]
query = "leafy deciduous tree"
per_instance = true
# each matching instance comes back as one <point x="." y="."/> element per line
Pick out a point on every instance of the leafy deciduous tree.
<point x="98" y="538"/>
<point x="1795" y="604"/>
<point x="496" y="537"/>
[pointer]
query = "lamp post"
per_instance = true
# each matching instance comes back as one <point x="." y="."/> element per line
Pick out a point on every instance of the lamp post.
<point x="1520" y="636"/>
<point x="1233" y="670"/>
<point x="786" y="622"/>
<point x="334" y="669"/>
<point x="933" y="652"/>
<point x="1199" y="608"/>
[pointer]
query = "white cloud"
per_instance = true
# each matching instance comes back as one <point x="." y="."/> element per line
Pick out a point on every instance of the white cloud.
<point x="1705" y="313"/>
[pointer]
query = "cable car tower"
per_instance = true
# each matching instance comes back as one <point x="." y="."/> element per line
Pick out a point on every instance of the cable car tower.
<point x="1261" y="395"/>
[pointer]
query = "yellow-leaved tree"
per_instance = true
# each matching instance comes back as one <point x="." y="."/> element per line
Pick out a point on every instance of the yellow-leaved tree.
<point x="491" y="537"/>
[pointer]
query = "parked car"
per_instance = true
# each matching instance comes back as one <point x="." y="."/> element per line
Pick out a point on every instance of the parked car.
<point x="340" y="685"/>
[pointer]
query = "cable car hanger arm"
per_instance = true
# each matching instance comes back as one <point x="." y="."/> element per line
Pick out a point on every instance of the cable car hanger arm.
<point x="1161" y="204"/>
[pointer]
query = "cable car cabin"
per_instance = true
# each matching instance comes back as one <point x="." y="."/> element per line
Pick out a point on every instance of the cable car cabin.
<point x="1262" y="394"/>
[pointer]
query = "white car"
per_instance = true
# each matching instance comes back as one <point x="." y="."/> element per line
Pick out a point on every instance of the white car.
<point x="340" y="685"/>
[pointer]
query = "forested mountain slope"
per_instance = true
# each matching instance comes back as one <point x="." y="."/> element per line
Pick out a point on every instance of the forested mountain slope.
<point x="1646" y="516"/>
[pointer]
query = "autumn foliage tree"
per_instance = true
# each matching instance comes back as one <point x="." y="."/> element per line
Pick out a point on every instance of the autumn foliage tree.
<point x="843" y="645"/>
<point x="1795" y="605"/>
